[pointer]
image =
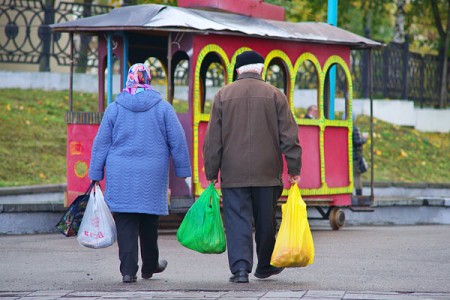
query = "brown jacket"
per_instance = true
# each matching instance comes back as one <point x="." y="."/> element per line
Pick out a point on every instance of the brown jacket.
<point x="250" y="127"/>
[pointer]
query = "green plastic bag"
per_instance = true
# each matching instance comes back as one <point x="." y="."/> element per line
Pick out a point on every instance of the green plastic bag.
<point x="202" y="228"/>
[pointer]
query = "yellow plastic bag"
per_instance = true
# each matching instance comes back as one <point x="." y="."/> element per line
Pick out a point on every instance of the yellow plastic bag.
<point x="294" y="246"/>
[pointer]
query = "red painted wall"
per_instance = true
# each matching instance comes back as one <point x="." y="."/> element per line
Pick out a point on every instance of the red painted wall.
<point x="80" y="138"/>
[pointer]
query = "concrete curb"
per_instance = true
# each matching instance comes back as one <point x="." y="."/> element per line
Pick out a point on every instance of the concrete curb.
<point x="32" y="189"/>
<point x="61" y="187"/>
<point x="418" y="201"/>
<point x="36" y="209"/>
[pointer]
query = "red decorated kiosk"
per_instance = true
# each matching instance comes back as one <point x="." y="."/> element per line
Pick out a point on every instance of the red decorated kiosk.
<point x="205" y="37"/>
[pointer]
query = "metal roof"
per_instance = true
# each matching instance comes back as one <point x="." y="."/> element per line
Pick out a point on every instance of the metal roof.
<point x="172" y="18"/>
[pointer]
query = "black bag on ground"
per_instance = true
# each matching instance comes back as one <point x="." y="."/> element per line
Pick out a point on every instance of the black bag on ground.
<point x="71" y="220"/>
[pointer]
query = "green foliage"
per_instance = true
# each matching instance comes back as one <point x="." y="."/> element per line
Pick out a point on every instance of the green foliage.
<point x="377" y="18"/>
<point x="355" y="16"/>
<point x="368" y="18"/>
<point x="426" y="30"/>
<point x="34" y="133"/>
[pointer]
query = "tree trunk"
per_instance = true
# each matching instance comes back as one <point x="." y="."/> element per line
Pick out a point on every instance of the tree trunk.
<point x="443" y="49"/>
<point x="444" y="75"/>
<point x="399" y="36"/>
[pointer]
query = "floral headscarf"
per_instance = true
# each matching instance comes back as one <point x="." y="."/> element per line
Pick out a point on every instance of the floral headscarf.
<point x="139" y="79"/>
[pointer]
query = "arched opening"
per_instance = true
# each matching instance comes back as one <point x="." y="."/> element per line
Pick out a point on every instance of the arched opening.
<point x="180" y="82"/>
<point x="336" y="104"/>
<point x="306" y="92"/>
<point x="276" y="75"/>
<point x="212" y="78"/>
<point x="158" y="73"/>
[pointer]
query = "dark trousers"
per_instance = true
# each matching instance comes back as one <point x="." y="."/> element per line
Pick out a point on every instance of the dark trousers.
<point x="130" y="227"/>
<point x="240" y="207"/>
<point x="357" y="179"/>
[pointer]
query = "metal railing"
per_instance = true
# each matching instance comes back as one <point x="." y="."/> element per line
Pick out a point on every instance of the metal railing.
<point x="28" y="38"/>
<point x="399" y="74"/>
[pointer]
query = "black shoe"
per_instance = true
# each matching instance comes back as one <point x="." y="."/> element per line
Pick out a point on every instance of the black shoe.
<point x="266" y="274"/>
<point x="129" y="278"/>
<point x="162" y="265"/>
<point x="240" y="276"/>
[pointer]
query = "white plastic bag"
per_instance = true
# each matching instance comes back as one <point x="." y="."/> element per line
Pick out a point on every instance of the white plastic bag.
<point x="97" y="229"/>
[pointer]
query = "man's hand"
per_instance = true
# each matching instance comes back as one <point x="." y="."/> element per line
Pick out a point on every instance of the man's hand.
<point x="214" y="181"/>
<point x="293" y="178"/>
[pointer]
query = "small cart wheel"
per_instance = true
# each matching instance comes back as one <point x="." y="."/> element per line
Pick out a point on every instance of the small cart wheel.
<point x="337" y="218"/>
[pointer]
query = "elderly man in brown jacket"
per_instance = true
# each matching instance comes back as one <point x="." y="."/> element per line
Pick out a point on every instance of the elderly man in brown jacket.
<point x="251" y="126"/>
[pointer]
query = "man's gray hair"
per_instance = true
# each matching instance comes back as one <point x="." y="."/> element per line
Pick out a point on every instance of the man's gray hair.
<point x="255" y="68"/>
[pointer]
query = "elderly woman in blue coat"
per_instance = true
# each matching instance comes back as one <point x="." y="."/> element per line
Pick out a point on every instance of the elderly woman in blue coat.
<point x="138" y="134"/>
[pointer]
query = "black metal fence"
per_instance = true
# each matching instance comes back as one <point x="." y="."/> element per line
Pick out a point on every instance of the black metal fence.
<point x="397" y="73"/>
<point x="28" y="38"/>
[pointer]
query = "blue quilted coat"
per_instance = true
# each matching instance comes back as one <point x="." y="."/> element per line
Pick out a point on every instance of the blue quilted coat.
<point x="137" y="136"/>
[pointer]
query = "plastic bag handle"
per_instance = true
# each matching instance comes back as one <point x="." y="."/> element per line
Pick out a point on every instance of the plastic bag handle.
<point x="211" y="187"/>
<point x="96" y="184"/>
<point x="88" y="191"/>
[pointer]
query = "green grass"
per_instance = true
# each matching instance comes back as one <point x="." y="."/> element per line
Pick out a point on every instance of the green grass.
<point x="33" y="142"/>
<point x="403" y="154"/>
<point x="33" y="135"/>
